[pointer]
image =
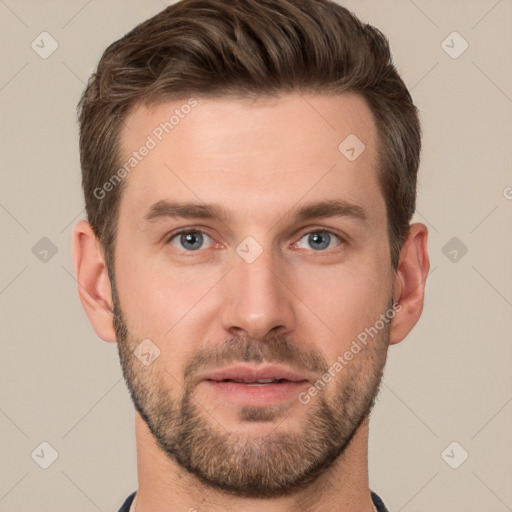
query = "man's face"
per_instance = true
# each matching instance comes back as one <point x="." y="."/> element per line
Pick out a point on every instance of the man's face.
<point x="262" y="288"/>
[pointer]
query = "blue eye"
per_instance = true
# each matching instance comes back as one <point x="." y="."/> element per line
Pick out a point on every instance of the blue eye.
<point x="189" y="240"/>
<point x="320" y="239"/>
<point x="193" y="240"/>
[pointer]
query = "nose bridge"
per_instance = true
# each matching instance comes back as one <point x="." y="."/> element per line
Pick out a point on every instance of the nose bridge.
<point x="256" y="299"/>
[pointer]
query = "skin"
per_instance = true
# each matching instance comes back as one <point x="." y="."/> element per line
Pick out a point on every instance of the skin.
<point x="259" y="160"/>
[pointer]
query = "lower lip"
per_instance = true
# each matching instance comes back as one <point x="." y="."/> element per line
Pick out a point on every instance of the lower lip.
<point x="263" y="394"/>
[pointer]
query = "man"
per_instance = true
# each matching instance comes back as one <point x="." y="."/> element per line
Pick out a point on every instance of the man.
<point x="249" y="170"/>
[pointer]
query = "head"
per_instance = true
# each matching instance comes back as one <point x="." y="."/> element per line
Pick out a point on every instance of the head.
<point x="245" y="109"/>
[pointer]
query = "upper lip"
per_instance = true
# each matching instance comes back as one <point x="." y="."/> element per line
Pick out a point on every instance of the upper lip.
<point x="252" y="374"/>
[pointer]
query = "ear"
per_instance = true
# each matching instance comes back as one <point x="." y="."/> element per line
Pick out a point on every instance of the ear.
<point x="93" y="281"/>
<point x="409" y="285"/>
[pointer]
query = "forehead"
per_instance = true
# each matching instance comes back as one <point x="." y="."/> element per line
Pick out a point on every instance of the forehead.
<point x="255" y="156"/>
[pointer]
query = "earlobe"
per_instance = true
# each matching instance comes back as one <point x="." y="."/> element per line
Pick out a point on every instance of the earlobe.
<point x="409" y="285"/>
<point x="93" y="281"/>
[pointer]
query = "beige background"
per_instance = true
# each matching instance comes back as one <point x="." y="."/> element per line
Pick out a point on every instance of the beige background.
<point x="450" y="380"/>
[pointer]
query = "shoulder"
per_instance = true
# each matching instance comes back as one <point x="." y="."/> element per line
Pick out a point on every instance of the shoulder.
<point x="127" y="504"/>
<point x="379" y="504"/>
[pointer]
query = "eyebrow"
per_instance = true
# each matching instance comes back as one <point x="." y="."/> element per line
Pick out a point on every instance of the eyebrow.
<point x="317" y="210"/>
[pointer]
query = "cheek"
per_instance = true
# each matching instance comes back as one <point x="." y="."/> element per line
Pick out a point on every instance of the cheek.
<point x="156" y="297"/>
<point x="161" y="308"/>
<point x="344" y="300"/>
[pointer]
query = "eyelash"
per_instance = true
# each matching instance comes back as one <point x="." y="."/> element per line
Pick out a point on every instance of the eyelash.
<point x="316" y="230"/>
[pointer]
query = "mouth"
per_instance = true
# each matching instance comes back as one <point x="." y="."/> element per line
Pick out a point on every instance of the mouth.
<point x="256" y="386"/>
<point x="259" y="382"/>
<point x="255" y="375"/>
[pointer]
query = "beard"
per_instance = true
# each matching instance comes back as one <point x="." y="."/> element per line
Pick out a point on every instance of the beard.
<point x="246" y="464"/>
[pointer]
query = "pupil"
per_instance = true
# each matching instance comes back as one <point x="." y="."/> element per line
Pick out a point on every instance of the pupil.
<point x="319" y="241"/>
<point x="192" y="240"/>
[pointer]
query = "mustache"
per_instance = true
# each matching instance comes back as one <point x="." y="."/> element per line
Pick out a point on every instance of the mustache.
<point x="272" y="349"/>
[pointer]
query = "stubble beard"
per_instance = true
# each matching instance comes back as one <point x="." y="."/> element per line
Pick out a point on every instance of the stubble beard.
<point x="244" y="464"/>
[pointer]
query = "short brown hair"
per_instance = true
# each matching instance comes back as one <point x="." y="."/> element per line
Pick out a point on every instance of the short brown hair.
<point x="243" y="48"/>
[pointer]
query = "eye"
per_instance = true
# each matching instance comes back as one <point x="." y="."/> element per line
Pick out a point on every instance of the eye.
<point x="320" y="239"/>
<point x="191" y="240"/>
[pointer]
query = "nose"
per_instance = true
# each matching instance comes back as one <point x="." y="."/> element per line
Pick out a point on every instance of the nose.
<point x="257" y="298"/>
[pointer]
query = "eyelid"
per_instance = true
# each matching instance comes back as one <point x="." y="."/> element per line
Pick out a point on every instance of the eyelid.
<point x="343" y="239"/>
<point x="325" y="229"/>
<point x="189" y="229"/>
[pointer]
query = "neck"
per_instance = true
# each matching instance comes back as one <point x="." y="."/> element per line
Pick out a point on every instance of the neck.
<point x="165" y="485"/>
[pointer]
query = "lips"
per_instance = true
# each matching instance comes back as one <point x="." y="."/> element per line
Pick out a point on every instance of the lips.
<point x="251" y="375"/>
<point x="261" y="386"/>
